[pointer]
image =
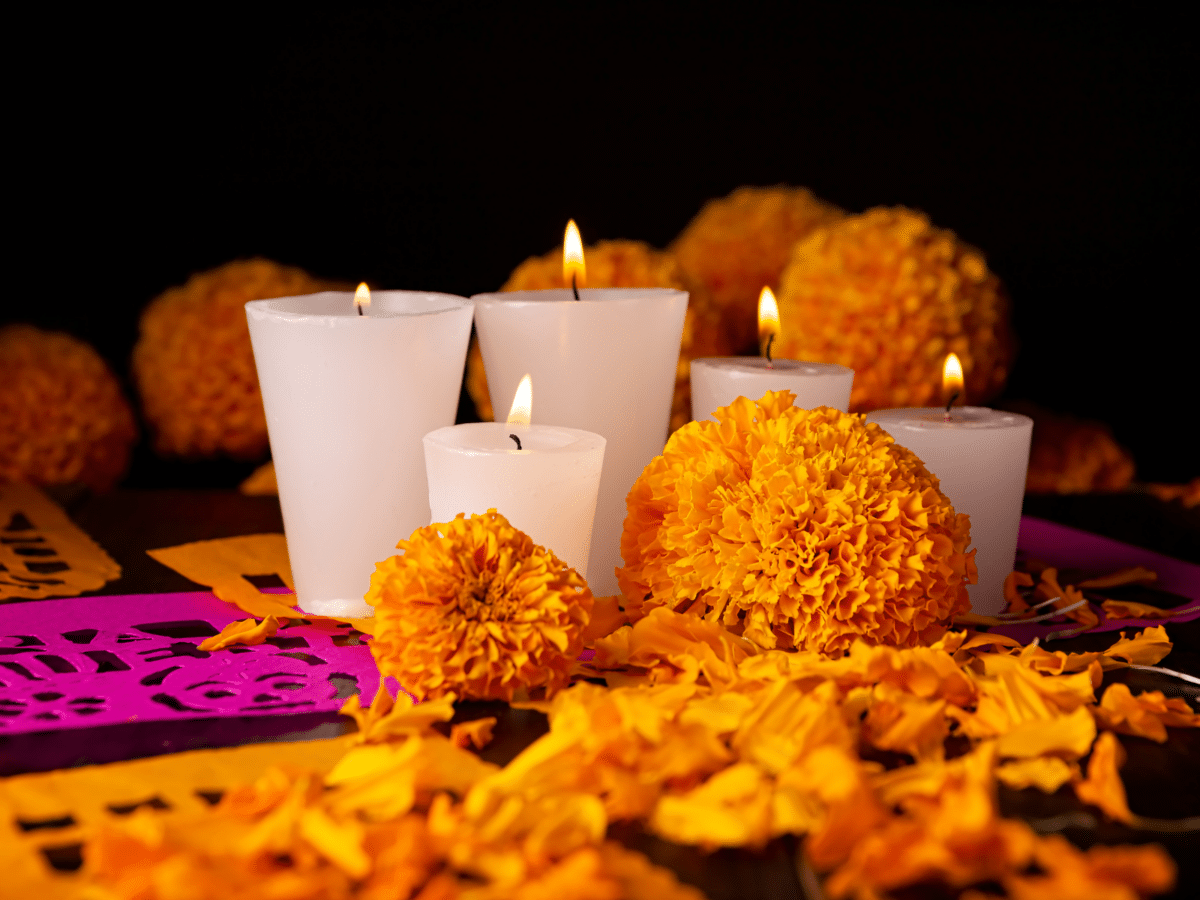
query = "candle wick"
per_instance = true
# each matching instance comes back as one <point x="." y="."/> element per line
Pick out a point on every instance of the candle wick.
<point x="359" y="307"/>
<point x="574" y="289"/>
<point x="950" y="403"/>
<point x="767" y="352"/>
<point x="517" y="439"/>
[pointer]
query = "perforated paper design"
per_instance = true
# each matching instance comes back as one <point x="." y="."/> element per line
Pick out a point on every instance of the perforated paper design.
<point x="93" y="661"/>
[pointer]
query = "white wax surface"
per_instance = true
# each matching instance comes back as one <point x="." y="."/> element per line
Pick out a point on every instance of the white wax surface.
<point x="348" y="399"/>
<point x="980" y="457"/>
<point x="605" y="363"/>
<point x="547" y="489"/>
<point x="719" y="380"/>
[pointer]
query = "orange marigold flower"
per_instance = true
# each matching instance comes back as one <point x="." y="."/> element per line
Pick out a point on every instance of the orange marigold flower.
<point x="63" y="418"/>
<point x="1187" y="494"/>
<point x="889" y="295"/>
<point x="193" y="363"/>
<point x="796" y="529"/>
<point x="732" y="248"/>
<point x="473" y="607"/>
<point x="609" y="264"/>
<point x="1072" y="456"/>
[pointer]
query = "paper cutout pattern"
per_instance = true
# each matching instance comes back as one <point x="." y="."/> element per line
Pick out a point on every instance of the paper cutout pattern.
<point x="42" y="552"/>
<point x="45" y="817"/>
<point x="97" y="661"/>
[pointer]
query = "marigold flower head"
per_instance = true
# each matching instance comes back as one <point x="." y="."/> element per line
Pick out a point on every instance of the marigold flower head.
<point x="796" y="529"/>
<point x="1073" y="456"/>
<point x="473" y="607"/>
<point x="732" y="248"/>
<point x="889" y="295"/>
<point x="609" y="264"/>
<point x="63" y="418"/>
<point x="194" y="365"/>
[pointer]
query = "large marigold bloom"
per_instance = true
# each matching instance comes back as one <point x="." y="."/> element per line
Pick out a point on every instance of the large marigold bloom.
<point x="472" y="607"/>
<point x="1073" y="456"/>
<point x="796" y="529"/>
<point x="194" y="365"/>
<point x="732" y="248"/>
<point x="63" y="418"/>
<point x="889" y="295"/>
<point x="610" y="264"/>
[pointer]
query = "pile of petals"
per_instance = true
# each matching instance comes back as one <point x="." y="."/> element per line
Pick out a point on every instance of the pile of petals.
<point x="63" y="418"/>
<point x="474" y="607"/>
<point x="1073" y="456"/>
<point x="889" y="295"/>
<point x="887" y="761"/>
<point x="795" y="528"/>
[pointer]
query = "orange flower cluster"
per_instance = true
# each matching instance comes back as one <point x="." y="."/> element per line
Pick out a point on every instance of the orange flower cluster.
<point x="889" y="295"/>
<point x="795" y="528"/>
<point x="732" y="248"/>
<point x="1187" y="494"/>
<point x="381" y="824"/>
<point x="1073" y="456"/>
<point x="194" y="365"/>
<point x="63" y="418"/>
<point x="473" y="607"/>
<point x="609" y="264"/>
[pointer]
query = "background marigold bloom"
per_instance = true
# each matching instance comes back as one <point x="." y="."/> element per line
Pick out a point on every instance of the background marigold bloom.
<point x="796" y="529"/>
<point x="1073" y="456"/>
<point x="194" y="365"/>
<point x="610" y="264"/>
<point x="473" y="607"/>
<point x="732" y="248"/>
<point x="889" y="295"/>
<point x="63" y="418"/>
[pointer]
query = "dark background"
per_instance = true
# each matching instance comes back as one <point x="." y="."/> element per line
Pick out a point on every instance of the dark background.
<point x="437" y="148"/>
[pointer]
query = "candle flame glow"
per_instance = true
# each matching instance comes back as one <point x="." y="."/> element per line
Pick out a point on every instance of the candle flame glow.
<point x="768" y="318"/>
<point x="573" y="263"/>
<point x="952" y="378"/>
<point x="362" y="298"/>
<point x="521" y="412"/>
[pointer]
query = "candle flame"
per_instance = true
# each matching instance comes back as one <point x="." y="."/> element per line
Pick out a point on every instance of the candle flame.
<point x="521" y="412"/>
<point x="768" y="318"/>
<point x="952" y="379"/>
<point x="362" y="298"/>
<point x="573" y="263"/>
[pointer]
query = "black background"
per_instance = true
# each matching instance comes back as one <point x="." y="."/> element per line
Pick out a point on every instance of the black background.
<point x="436" y="148"/>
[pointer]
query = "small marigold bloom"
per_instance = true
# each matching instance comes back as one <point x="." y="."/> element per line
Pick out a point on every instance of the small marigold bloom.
<point x="473" y="607"/>
<point x="732" y="248"/>
<point x="1073" y="456"/>
<point x="609" y="264"/>
<point x="1187" y="494"/>
<point x="63" y="418"/>
<point x="796" y="529"/>
<point x="889" y="295"/>
<point x="194" y="365"/>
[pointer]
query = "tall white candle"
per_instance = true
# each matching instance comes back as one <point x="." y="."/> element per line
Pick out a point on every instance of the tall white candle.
<point x="348" y="399"/>
<point x="981" y="457"/>
<point x="719" y="380"/>
<point x="604" y="363"/>
<point x="547" y="488"/>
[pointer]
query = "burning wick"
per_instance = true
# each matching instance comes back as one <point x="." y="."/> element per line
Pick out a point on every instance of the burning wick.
<point x="362" y="297"/>
<point x="573" y="261"/>
<point x="574" y="288"/>
<point x="950" y="403"/>
<point x="517" y="439"/>
<point x="767" y="351"/>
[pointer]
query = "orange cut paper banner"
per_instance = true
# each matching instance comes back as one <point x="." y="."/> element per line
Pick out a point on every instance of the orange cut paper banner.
<point x="43" y="553"/>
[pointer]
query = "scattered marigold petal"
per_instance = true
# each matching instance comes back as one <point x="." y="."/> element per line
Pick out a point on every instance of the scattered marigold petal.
<point x="245" y="631"/>
<point x="1103" y="786"/>
<point x="477" y="733"/>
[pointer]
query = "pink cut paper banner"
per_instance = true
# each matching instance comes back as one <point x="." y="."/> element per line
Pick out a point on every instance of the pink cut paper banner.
<point x="88" y="661"/>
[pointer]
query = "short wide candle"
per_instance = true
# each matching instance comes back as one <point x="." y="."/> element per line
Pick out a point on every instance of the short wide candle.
<point x="547" y="489"/>
<point x="348" y="399"/>
<point x="719" y="380"/>
<point x="981" y="457"/>
<point x="604" y="363"/>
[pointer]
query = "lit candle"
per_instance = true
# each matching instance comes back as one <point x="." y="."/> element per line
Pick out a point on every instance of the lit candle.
<point x="603" y="363"/>
<point x="543" y="478"/>
<point x="980" y="456"/>
<point x="350" y="384"/>
<point x="718" y="381"/>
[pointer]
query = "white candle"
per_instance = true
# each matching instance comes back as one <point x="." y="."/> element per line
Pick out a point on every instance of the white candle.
<point x="348" y="398"/>
<point x="980" y="456"/>
<point x="604" y="363"/>
<point x="547" y="489"/>
<point x="719" y="380"/>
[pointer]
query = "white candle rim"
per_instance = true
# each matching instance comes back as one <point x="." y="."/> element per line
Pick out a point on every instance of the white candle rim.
<point x="581" y="441"/>
<point x="277" y="307"/>
<point x="921" y="418"/>
<point x="564" y="296"/>
<point x="784" y="364"/>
